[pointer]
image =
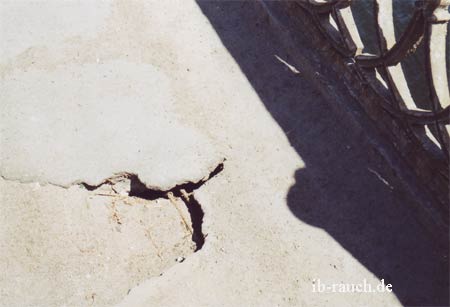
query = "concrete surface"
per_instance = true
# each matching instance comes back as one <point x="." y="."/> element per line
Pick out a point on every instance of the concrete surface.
<point x="165" y="90"/>
<point x="67" y="247"/>
<point x="90" y="108"/>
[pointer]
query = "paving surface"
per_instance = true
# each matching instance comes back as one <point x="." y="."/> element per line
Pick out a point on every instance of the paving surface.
<point x="161" y="92"/>
<point x="68" y="246"/>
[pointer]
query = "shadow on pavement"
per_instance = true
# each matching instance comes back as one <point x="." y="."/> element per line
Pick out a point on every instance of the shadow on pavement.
<point x="339" y="190"/>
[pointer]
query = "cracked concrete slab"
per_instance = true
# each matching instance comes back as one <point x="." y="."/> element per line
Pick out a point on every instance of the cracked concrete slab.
<point x="85" y="123"/>
<point x="73" y="112"/>
<point x="188" y="83"/>
<point x="79" y="248"/>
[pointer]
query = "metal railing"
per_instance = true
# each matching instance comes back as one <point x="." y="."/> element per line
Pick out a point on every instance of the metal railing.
<point x="382" y="69"/>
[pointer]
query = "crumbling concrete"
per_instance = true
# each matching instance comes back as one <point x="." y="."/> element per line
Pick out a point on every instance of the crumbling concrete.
<point x="163" y="91"/>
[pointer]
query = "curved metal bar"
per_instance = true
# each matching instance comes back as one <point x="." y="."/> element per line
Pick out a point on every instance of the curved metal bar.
<point x="409" y="39"/>
<point x="407" y="43"/>
<point x="320" y="7"/>
<point x="392" y="52"/>
<point x="321" y="10"/>
<point x="344" y="31"/>
<point x="435" y="35"/>
<point x="429" y="21"/>
<point x="344" y="16"/>
<point x="420" y="117"/>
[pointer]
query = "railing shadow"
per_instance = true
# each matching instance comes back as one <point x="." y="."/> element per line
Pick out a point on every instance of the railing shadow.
<point x="338" y="189"/>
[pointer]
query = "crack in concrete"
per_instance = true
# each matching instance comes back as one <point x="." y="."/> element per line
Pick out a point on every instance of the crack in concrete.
<point x="184" y="191"/>
<point x="136" y="188"/>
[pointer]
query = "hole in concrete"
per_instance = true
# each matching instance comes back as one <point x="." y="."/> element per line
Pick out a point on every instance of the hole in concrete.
<point x="183" y="191"/>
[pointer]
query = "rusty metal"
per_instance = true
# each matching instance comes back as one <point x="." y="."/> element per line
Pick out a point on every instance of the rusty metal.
<point x="427" y="26"/>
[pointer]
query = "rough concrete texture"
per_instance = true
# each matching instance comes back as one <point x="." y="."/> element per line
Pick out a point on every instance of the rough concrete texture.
<point x="75" y="248"/>
<point x="90" y="108"/>
<point x="302" y="196"/>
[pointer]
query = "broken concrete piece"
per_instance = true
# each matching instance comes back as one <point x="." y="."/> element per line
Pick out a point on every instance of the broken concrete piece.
<point x="73" y="247"/>
<point x="86" y="123"/>
<point x="121" y="186"/>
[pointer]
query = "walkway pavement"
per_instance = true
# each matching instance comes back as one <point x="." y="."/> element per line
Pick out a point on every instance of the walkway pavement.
<point x="102" y="100"/>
